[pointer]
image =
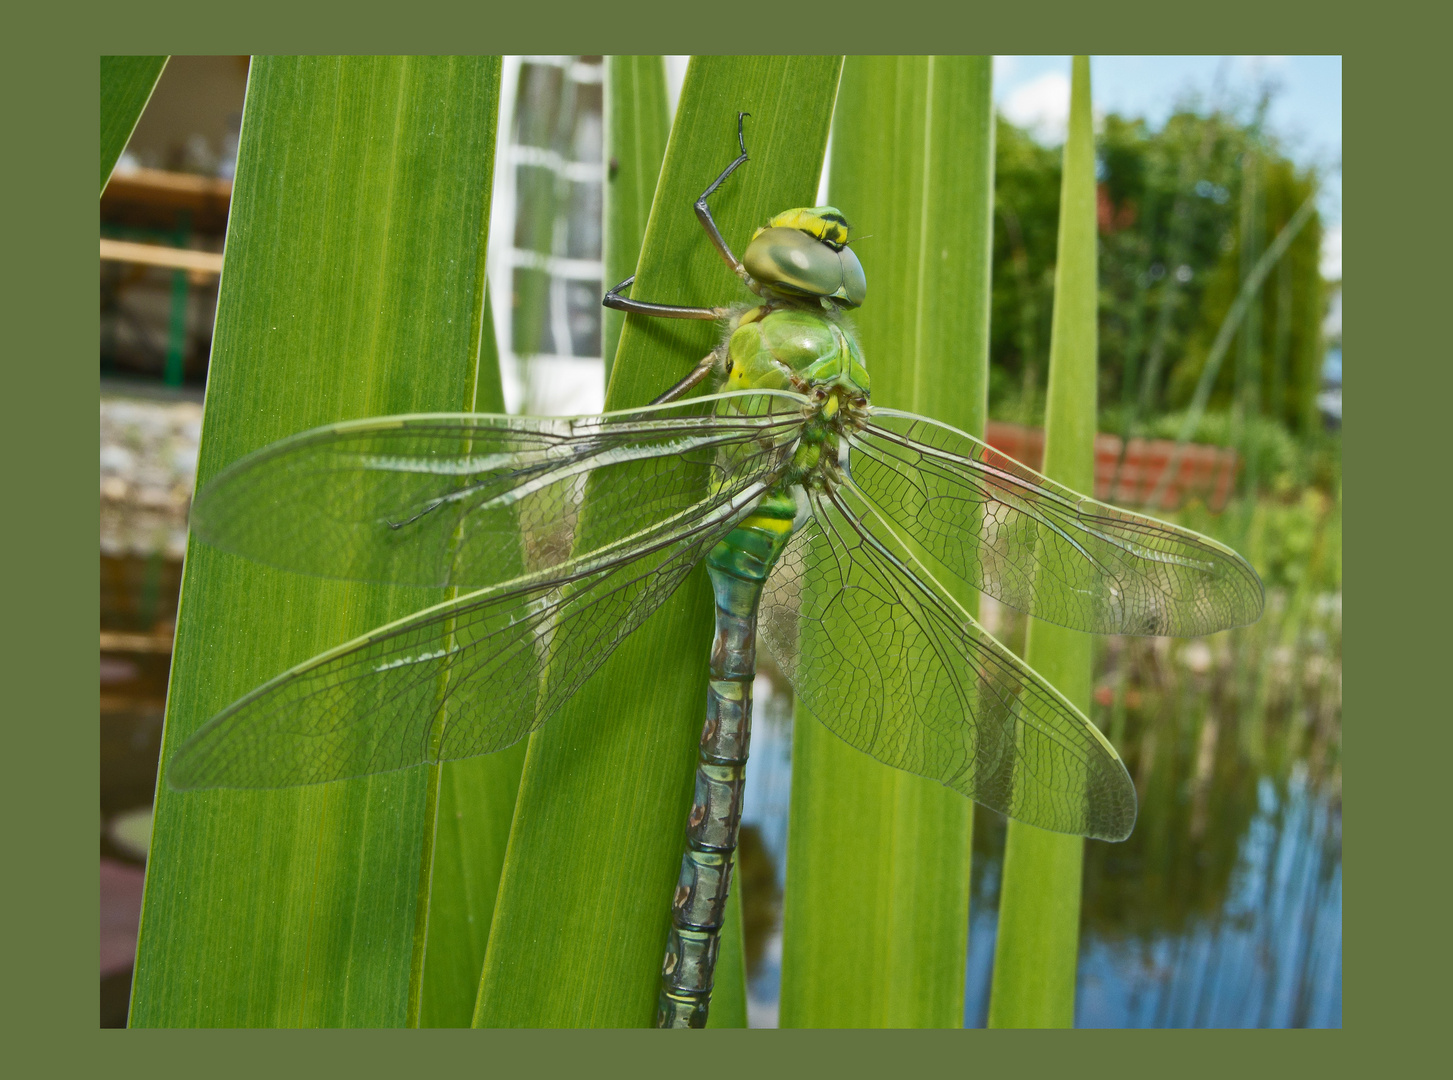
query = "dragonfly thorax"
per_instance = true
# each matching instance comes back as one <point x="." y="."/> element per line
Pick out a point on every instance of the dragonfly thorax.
<point x="794" y="348"/>
<point x="811" y="352"/>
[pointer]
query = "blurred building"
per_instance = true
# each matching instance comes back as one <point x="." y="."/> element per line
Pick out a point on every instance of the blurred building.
<point x="545" y="265"/>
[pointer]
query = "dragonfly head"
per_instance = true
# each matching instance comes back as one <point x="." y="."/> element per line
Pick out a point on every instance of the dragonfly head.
<point x="804" y="252"/>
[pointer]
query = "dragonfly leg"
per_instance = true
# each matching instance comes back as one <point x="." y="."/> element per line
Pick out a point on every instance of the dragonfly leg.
<point x="614" y="300"/>
<point x="699" y="372"/>
<point x="703" y="212"/>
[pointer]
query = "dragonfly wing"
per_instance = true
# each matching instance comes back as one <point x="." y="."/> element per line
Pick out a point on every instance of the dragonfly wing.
<point x="473" y="500"/>
<point x="466" y="677"/>
<point x="1039" y="546"/>
<point x="887" y="661"/>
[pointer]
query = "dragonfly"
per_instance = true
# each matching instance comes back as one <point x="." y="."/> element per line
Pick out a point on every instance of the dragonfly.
<point x="825" y="522"/>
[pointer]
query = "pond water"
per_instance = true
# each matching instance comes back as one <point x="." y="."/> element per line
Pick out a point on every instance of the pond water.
<point x="1224" y="908"/>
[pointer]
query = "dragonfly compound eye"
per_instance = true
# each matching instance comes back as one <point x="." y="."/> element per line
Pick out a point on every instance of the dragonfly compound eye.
<point x="796" y="263"/>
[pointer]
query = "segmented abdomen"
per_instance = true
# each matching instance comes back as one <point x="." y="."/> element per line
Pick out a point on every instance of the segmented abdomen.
<point x="738" y="567"/>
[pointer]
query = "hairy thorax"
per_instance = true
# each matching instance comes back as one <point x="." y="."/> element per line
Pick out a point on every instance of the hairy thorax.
<point x="793" y="346"/>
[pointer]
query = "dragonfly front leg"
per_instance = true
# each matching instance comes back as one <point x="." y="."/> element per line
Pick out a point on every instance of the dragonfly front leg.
<point x="613" y="298"/>
<point x="703" y="212"/>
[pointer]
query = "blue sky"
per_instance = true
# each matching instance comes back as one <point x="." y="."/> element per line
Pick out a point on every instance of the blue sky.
<point x="1305" y="114"/>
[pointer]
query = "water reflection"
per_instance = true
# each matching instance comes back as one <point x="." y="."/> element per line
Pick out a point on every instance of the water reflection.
<point x="1258" y="947"/>
<point x="1224" y="908"/>
<point x="764" y="820"/>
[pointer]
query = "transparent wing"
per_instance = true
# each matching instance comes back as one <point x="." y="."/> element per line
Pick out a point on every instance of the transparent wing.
<point x="466" y="677"/>
<point x="474" y="500"/>
<point x="892" y="665"/>
<point x="1039" y="546"/>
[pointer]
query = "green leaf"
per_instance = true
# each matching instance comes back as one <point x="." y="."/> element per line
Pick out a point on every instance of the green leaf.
<point x="126" y="86"/>
<point x="871" y="847"/>
<point x="353" y="287"/>
<point x="636" y="127"/>
<point x="1039" y="905"/>
<point x="584" y="904"/>
<point x="476" y="804"/>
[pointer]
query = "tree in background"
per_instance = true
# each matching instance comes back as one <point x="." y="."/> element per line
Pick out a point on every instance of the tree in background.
<point x="1173" y="206"/>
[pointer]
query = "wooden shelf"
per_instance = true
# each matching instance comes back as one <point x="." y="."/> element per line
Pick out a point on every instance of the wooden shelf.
<point x="202" y="265"/>
<point x="154" y="198"/>
<point x="117" y="642"/>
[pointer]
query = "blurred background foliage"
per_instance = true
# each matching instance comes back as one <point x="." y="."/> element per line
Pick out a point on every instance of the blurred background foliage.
<point x="1171" y="255"/>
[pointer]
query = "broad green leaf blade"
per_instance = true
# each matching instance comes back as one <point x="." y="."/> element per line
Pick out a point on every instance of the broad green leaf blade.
<point x="353" y="287"/>
<point x="871" y="847"/>
<point x="636" y="127"/>
<point x="126" y="86"/>
<point x="584" y="903"/>
<point x="489" y="393"/>
<point x="1039" y="905"/>
<point x="476" y="804"/>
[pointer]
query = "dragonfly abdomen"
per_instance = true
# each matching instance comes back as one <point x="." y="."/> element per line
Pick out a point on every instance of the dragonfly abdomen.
<point x="738" y="567"/>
